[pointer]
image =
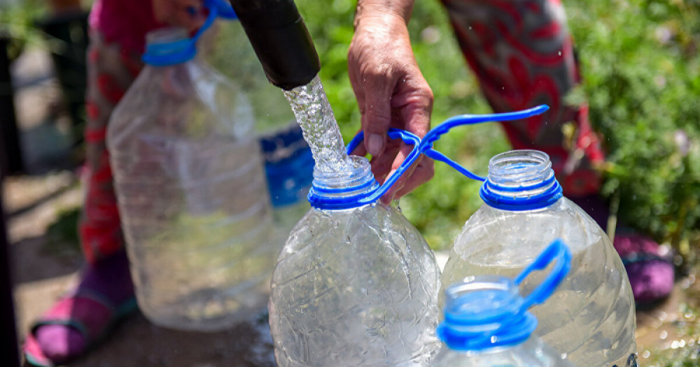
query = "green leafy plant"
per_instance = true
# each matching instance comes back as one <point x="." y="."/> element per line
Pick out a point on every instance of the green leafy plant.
<point x="641" y="74"/>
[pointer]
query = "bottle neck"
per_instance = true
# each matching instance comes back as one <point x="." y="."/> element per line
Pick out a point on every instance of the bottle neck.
<point x="521" y="180"/>
<point x="168" y="46"/>
<point x="485" y="313"/>
<point x="343" y="189"/>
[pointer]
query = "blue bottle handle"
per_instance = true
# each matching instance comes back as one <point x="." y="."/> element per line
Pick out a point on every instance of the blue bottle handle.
<point x="556" y="251"/>
<point x="433" y="135"/>
<point x="181" y="51"/>
<point x="518" y="326"/>
<point x="393" y="134"/>
<point x="217" y="8"/>
<point x="425" y="146"/>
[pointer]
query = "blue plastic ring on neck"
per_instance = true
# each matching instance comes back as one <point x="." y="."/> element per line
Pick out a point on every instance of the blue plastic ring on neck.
<point x="550" y="196"/>
<point x="171" y="53"/>
<point x="324" y="201"/>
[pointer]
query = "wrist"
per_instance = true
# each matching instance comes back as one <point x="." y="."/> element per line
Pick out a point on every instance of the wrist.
<point x="383" y="9"/>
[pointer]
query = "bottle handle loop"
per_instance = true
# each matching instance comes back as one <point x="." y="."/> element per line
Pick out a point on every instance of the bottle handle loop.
<point x="556" y="252"/>
<point x="177" y="52"/>
<point x="425" y="145"/>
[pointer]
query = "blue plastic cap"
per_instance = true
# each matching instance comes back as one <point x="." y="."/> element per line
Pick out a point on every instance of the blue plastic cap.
<point x="488" y="311"/>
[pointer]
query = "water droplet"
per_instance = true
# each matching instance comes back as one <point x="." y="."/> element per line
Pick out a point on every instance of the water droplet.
<point x="646" y="354"/>
<point x="663" y="335"/>
<point x="559" y="53"/>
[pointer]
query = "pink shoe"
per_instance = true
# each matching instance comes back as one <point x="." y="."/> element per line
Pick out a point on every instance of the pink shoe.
<point x="84" y="318"/>
<point x="649" y="269"/>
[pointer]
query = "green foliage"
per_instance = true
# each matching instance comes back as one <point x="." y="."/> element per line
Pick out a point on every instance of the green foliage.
<point x="642" y="81"/>
<point x="16" y="18"/>
<point x="16" y="22"/>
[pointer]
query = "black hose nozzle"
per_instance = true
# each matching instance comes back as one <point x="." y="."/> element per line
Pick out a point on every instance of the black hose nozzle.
<point x="280" y="39"/>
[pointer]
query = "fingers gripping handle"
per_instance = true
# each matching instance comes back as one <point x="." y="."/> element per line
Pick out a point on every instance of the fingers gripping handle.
<point x="425" y="146"/>
<point x="393" y="133"/>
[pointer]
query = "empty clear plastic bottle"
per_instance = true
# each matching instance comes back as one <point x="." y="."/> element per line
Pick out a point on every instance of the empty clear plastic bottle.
<point x="592" y="316"/>
<point x="356" y="284"/>
<point x="288" y="160"/>
<point x="192" y="192"/>
<point x="486" y="322"/>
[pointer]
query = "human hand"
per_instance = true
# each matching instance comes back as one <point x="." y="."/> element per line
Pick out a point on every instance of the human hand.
<point x="391" y="92"/>
<point x="188" y="14"/>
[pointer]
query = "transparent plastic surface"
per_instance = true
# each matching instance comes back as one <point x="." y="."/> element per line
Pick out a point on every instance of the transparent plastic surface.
<point x="354" y="287"/>
<point x="531" y="353"/>
<point x="193" y="198"/>
<point x="590" y="317"/>
<point x="272" y="111"/>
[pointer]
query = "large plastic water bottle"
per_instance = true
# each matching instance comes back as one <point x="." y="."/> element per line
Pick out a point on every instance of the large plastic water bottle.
<point x="356" y="284"/>
<point x="486" y="322"/>
<point x="592" y="317"/>
<point x="191" y="188"/>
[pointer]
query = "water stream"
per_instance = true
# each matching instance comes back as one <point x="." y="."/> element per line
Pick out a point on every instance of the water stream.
<point x="321" y="132"/>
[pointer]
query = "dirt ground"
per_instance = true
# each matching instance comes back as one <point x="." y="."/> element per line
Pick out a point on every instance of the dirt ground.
<point x="42" y="211"/>
<point x="44" y="269"/>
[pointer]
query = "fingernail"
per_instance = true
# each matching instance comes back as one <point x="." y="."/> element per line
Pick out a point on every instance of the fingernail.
<point x="375" y="144"/>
